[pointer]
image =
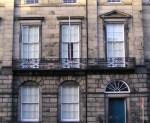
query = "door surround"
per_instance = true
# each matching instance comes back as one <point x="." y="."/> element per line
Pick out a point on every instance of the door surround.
<point x="127" y="103"/>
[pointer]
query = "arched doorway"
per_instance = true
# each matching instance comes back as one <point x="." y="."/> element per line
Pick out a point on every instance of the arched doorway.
<point x="117" y="92"/>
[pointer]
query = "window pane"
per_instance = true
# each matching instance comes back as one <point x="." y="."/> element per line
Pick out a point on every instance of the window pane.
<point x="110" y="46"/>
<point x="110" y="36"/>
<point x="36" y="34"/>
<point x="65" y="33"/>
<point x="31" y="34"/>
<point x="109" y="29"/>
<point x="25" y="34"/>
<point x="69" y="1"/>
<point x="75" y="50"/>
<point x="65" y="50"/>
<point x="31" y="1"/>
<point x="113" y="0"/>
<point x="36" y="55"/>
<point x="74" y="33"/>
<point x="24" y="115"/>
<point x="36" y="47"/>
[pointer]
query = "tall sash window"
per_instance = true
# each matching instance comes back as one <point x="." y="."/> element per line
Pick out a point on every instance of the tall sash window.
<point x="115" y="45"/>
<point x="30" y="103"/>
<point x="30" y="46"/>
<point x="70" y="46"/>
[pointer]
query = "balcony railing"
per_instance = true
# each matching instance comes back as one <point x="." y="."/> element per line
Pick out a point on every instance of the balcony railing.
<point x="82" y="63"/>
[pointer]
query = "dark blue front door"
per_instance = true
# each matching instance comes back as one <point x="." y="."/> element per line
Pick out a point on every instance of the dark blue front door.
<point x="117" y="110"/>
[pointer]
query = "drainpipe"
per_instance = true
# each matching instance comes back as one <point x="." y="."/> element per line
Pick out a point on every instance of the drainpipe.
<point x="86" y="56"/>
<point x="97" y="28"/>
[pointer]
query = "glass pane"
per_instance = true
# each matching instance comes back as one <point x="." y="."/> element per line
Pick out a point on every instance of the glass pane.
<point x="76" y="115"/>
<point x="118" y="36"/>
<point x="31" y="47"/>
<point x="36" y="47"/>
<point x="36" y="107"/>
<point x="64" y="115"/>
<point x="74" y="32"/>
<point x="119" y="49"/>
<point x="25" y="55"/>
<point x="31" y="34"/>
<point x="25" y="47"/>
<point x="65" y="50"/>
<point x="109" y="28"/>
<point x="25" y="34"/>
<point x="118" y="32"/>
<point x="36" y="34"/>
<point x="24" y="107"/>
<point x="30" y="94"/>
<point x="65" y="34"/>
<point x="75" y="50"/>
<point x="76" y="94"/>
<point x="110" y="54"/>
<point x="118" y="28"/>
<point x="109" y="46"/>
<point x="24" y="95"/>
<point x="36" y="55"/>
<point x="110" y="36"/>
<point x="24" y="115"/>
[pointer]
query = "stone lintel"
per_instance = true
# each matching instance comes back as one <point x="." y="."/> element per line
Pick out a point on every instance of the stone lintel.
<point x="71" y="17"/>
<point x="30" y="18"/>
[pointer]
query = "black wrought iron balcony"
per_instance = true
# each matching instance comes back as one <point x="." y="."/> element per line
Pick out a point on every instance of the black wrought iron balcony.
<point x="49" y="64"/>
<point x="64" y="63"/>
<point x="112" y="63"/>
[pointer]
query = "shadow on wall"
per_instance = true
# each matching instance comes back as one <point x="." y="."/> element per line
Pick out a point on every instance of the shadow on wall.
<point x="100" y="118"/>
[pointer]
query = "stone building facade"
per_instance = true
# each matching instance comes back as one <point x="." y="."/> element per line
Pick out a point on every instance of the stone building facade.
<point x="74" y="61"/>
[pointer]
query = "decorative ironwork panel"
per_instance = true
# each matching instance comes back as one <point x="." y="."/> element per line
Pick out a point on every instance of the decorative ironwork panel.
<point x="117" y="62"/>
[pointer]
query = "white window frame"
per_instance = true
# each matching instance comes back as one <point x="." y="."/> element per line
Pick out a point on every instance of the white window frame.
<point x="70" y="120"/>
<point x="69" y="2"/>
<point x="113" y="1"/>
<point x="114" y="58"/>
<point x="26" y="2"/>
<point x="70" y="60"/>
<point x="22" y="119"/>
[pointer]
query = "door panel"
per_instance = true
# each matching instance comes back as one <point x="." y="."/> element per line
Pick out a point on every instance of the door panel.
<point x="117" y="110"/>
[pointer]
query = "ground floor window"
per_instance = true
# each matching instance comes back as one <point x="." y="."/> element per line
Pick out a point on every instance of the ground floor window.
<point x="29" y="103"/>
<point x="69" y="103"/>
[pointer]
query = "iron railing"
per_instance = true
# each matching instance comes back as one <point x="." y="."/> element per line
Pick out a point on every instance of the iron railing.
<point x="136" y="119"/>
<point x="74" y="63"/>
